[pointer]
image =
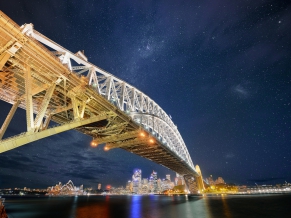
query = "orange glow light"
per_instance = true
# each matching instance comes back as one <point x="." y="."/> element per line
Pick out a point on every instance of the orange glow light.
<point x="94" y="144"/>
<point x="151" y="141"/>
<point x="142" y="134"/>
<point x="106" y="148"/>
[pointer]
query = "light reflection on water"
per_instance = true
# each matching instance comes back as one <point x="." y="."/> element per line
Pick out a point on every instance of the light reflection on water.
<point x="151" y="206"/>
<point x="225" y="207"/>
<point x="74" y="206"/>
<point x="135" y="206"/>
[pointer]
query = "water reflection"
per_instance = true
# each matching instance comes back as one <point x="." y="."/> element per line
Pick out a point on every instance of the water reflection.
<point x="152" y="206"/>
<point x="207" y="207"/>
<point x="74" y="206"/>
<point x="225" y="207"/>
<point x="135" y="206"/>
<point x="94" y="208"/>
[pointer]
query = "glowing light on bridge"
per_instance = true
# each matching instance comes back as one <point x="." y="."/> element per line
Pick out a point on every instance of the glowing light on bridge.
<point x="151" y="141"/>
<point x="94" y="144"/>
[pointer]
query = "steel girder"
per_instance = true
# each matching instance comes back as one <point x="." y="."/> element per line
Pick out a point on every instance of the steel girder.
<point x="83" y="91"/>
<point x="126" y="97"/>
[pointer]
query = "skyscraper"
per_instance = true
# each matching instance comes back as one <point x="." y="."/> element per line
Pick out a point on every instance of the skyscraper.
<point x="168" y="177"/>
<point x="99" y="186"/>
<point x="154" y="176"/>
<point x="136" y="180"/>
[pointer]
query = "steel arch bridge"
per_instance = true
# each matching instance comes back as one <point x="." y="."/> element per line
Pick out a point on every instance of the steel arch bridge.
<point x="53" y="84"/>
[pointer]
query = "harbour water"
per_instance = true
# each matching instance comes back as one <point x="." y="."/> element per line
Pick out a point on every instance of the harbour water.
<point x="152" y="206"/>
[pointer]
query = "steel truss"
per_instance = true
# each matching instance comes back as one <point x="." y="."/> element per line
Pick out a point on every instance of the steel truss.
<point x="58" y="85"/>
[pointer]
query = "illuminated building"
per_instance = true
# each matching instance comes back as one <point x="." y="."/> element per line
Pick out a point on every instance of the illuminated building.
<point x="99" y="186"/>
<point x="168" y="177"/>
<point x="145" y="181"/>
<point x="219" y="180"/>
<point x="144" y="189"/>
<point x="129" y="187"/>
<point x="179" y="180"/>
<point x="159" y="182"/>
<point x="166" y="185"/>
<point x="136" y="181"/>
<point x="210" y="180"/>
<point x="155" y="182"/>
<point x="68" y="189"/>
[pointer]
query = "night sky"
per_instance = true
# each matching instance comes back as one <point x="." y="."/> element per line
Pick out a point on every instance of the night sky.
<point x="220" y="68"/>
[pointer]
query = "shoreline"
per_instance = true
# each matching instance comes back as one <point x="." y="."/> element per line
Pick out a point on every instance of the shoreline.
<point x="189" y="195"/>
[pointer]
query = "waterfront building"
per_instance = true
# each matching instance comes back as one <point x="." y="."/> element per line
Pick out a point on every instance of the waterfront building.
<point x="210" y="180"/>
<point x="68" y="189"/>
<point x="219" y="180"/>
<point x="99" y="186"/>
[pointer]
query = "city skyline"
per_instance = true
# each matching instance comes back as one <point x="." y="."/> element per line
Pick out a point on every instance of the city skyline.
<point x="224" y="80"/>
<point x="133" y="186"/>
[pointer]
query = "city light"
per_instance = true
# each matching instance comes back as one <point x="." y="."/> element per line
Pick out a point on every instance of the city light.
<point x="94" y="143"/>
<point x="106" y="148"/>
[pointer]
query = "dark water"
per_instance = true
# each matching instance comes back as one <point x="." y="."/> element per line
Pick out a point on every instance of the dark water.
<point x="152" y="206"/>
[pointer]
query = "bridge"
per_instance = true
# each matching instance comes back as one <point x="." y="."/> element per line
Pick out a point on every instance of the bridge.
<point x="53" y="84"/>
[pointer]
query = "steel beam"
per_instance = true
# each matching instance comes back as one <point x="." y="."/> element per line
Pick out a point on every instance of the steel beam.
<point x="133" y="142"/>
<point x="45" y="102"/>
<point x="17" y="141"/>
<point x="3" y="59"/>
<point x="122" y="94"/>
<point x="8" y="119"/>
<point x="108" y="88"/>
<point x="28" y="99"/>
<point x="46" y="122"/>
<point x="119" y="137"/>
<point x="75" y="104"/>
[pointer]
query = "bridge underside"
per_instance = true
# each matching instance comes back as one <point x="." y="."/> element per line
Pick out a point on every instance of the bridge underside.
<point x="34" y="79"/>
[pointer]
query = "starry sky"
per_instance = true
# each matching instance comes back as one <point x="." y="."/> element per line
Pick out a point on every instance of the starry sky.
<point x="220" y="68"/>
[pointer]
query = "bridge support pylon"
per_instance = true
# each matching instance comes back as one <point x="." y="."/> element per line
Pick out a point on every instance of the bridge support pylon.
<point x="195" y="183"/>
